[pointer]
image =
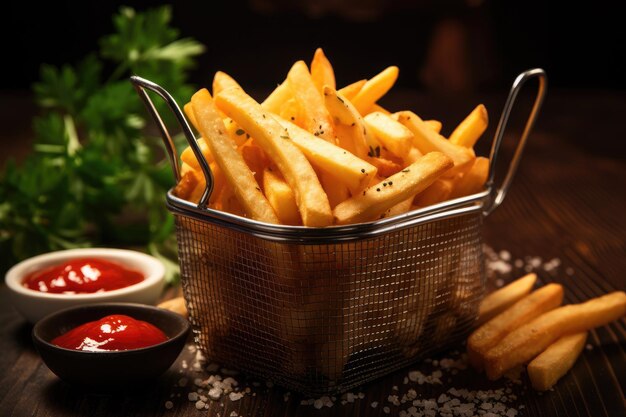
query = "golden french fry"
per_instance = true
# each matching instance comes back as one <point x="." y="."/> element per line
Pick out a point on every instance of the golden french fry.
<point x="275" y="141"/>
<point x="315" y="116"/>
<point x="489" y="334"/>
<point x="255" y="158"/>
<point x="471" y="129"/>
<point x="335" y="190"/>
<point x="526" y="342"/>
<point x="473" y="180"/>
<point x="412" y="155"/>
<point x="281" y="198"/>
<point x="378" y="108"/>
<point x="503" y="298"/>
<point x="185" y="186"/>
<point x="400" y="208"/>
<point x="346" y="114"/>
<point x="346" y="168"/>
<point x="222" y="81"/>
<point x="439" y="191"/>
<point x="188" y="109"/>
<point x="231" y="163"/>
<point x="427" y="140"/>
<point x="375" y="88"/>
<point x="392" y="134"/>
<point x="547" y="368"/>
<point x="386" y="167"/>
<point x="434" y="125"/>
<point x="351" y="90"/>
<point x="322" y="71"/>
<point x="236" y="133"/>
<point x="177" y="305"/>
<point x="188" y="157"/>
<point x="290" y="110"/>
<point x="377" y="199"/>
<point x="275" y="100"/>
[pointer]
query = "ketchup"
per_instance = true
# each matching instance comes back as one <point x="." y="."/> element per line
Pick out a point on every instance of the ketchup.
<point x="115" y="332"/>
<point x="85" y="275"/>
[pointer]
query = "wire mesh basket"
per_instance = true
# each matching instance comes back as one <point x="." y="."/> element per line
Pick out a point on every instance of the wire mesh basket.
<point x="322" y="310"/>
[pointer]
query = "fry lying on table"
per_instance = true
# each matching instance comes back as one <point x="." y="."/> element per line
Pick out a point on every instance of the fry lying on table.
<point x="524" y="327"/>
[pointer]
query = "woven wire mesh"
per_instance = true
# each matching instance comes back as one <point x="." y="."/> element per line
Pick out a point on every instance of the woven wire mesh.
<point x="324" y="318"/>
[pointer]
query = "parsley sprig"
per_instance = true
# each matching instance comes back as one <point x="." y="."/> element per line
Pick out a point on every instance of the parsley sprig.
<point x="95" y="176"/>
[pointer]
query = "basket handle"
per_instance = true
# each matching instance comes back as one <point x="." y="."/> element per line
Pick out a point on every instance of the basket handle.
<point x="141" y="85"/>
<point x="498" y="193"/>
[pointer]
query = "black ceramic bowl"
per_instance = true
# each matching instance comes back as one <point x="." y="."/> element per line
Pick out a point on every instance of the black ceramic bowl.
<point x="112" y="369"/>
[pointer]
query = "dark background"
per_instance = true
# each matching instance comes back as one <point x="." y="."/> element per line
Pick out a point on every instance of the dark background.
<point x="450" y="47"/>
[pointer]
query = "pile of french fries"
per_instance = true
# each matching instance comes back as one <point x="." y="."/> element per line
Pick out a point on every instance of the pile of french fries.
<point x="520" y="327"/>
<point x="314" y="155"/>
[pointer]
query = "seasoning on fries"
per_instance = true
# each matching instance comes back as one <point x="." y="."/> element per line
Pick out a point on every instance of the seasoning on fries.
<point x="331" y="147"/>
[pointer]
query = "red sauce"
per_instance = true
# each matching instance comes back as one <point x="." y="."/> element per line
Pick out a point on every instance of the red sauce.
<point x="115" y="332"/>
<point x="79" y="276"/>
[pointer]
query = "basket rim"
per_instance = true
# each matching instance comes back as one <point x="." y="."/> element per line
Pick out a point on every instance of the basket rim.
<point x="302" y="234"/>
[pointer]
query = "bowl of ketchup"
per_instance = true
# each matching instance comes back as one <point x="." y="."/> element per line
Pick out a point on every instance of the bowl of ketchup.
<point x="110" y="345"/>
<point x="54" y="281"/>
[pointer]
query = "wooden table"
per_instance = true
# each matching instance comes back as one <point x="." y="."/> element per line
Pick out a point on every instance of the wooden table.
<point x="567" y="202"/>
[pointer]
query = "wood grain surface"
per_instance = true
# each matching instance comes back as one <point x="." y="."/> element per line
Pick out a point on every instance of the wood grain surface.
<point x="568" y="202"/>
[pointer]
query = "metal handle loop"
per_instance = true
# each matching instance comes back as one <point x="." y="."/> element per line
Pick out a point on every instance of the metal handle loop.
<point x="141" y="85"/>
<point x="497" y="194"/>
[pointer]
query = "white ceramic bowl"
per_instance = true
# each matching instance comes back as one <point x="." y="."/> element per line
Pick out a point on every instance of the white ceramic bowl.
<point x="35" y="305"/>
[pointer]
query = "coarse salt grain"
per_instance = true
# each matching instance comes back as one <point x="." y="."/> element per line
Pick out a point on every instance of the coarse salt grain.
<point x="169" y="405"/>
<point x="200" y="404"/>
<point x="386" y="410"/>
<point x="235" y="396"/>
<point x="374" y="404"/>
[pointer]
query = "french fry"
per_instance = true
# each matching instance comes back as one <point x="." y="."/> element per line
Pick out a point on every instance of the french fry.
<point x="222" y="81"/>
<point x="236" y="133"/>
<point x="177" y="305"/>
<point x="439" y="191"/>
<point x="293" y="165"/>
<point x="346" y="114"/>
<point x="316" y="118"/>
<point x="393" y="135"/>
<point x="386" y="167"/>
<point x="322" y="71"/>
<point x="547" y="368"/>
<point x="401" y="207"/>
<point x="526" y="342"/>
<point x="503" y="298"/>
<point x="346" y="168"/>
<point x="335" y="190"/>
<point x="378" y="108"/>
<point x="351" y="90"/>
<point x="200" y="183"/>
<point x="281" y="198"/>
<point x="489" y="334"/>
<point x="427" y="140"/>
<point x="231" y="163"/>
<point x="255" y="158"/>
<point x="275" y="100"/>
<point x="471" y="129"/>
<point x="375" y="88"/>
<point x="434" y="125"/>
<point x="412" y="155"/>
<point x="188" y="157"/>
<point x="185" y="186"/>
<point x="188" y="109"/>
<point x="473" y="180"/>
<point x="290" y="110"/>
<point x="377" y="199"/>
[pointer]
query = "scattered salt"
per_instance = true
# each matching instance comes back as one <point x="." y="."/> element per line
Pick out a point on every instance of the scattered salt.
<point x="169" y="405"/>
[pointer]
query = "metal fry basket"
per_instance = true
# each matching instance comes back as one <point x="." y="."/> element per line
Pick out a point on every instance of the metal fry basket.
<point x="322" y="310"/>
